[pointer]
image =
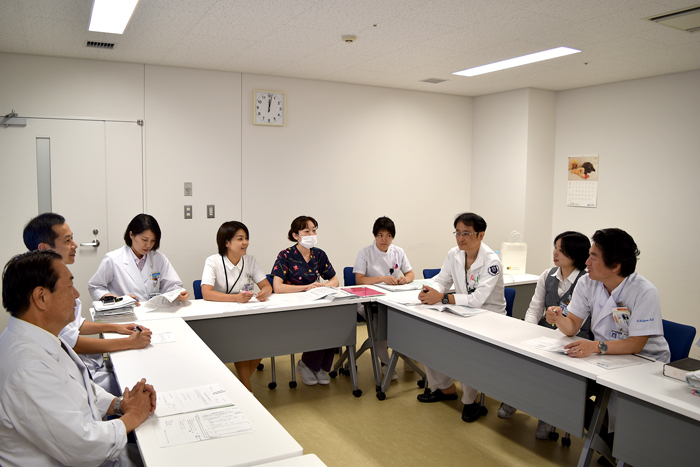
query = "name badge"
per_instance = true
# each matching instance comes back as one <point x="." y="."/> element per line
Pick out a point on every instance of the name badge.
<point x="155" y="276"/>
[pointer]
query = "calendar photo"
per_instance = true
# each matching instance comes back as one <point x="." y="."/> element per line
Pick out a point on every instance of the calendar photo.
<point x="582" y="181"/>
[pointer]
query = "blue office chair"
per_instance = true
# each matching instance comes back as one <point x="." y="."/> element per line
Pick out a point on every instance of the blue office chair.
<point x="197" y="286"/>
<point x="510" y="298"/>
<point x="273" y="383"/>
<point x="349" y="277"/>
<point x="430" y="273"/>
<point x="679" y="337"/>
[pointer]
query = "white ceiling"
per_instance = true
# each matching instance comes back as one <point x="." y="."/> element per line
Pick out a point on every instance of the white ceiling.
<point x="412" y="40"/>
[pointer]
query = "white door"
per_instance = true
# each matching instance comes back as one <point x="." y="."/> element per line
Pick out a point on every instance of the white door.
<point x="96" y="184"/>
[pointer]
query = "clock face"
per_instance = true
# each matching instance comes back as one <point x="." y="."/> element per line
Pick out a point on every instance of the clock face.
<point x="268" y="108"/>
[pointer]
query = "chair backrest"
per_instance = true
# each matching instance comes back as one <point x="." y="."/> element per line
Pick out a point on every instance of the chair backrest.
<point x="349" y="277"/>
<point x="197" y="286"/>
<point x="509" y="292"/>
<point x="430" y="273"/>
<point x="270" y="278"/>
<point x="679" y="337"/>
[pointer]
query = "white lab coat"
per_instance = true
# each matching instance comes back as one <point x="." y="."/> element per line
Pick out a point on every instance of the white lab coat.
<point x="50" y="411"/>
<point x="119" y="275"/>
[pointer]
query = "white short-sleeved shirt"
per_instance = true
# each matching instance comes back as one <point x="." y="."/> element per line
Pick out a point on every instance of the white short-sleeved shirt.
<point x="215" y="275"/>
<point x="372" y="262"/>
<point x="484" y="286"/>
<point x="642" y="301"/>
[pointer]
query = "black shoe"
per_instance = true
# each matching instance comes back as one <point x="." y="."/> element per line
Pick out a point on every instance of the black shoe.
<point x="470" y="413"/>
<point x="436" y="396"/>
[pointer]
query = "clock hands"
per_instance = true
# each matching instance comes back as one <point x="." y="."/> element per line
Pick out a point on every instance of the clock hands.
<point x="269" y="102"/>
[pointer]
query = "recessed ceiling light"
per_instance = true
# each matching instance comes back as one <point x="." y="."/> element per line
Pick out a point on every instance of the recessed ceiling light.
<point x="517" y="61"/>
<point x="111" y="16"/>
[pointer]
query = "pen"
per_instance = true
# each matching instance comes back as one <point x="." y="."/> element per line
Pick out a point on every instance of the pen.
<point x="139" y="329"/>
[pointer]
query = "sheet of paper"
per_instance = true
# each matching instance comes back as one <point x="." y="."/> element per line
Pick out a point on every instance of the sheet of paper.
<point x="462" y="311"/>
<point x="191" y="400"/>
<point x="162" y="337"/>
<point x="409" y="297"/>
<point x="234" y="306"/>
<point x="612" y="362"/>
<point x="398" y="288"/>
<point x="165" y="299"/>
<point x="547" y="343"/>
<point x="201" y="426"/>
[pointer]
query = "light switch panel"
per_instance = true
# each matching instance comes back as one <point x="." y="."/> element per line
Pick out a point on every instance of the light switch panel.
<point x="210" y="211"/>
<point x="188" y="211"/>
<point x="188" y="188"/>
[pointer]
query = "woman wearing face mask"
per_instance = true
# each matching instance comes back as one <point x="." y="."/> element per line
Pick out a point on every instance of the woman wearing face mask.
<point x="230" y="277"/>
<point x="382" y="262"/>
<point x="136" y="269"/>
<point x="298" y="269"/>
<point x="555" y="288"/>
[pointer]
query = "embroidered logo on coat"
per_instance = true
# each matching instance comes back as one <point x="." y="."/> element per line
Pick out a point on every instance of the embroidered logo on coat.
<point x="494" y="270"/>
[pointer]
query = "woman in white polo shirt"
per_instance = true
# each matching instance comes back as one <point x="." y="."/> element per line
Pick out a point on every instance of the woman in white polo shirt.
<point x="231" y="275"/>
<point x="382" y="262"/>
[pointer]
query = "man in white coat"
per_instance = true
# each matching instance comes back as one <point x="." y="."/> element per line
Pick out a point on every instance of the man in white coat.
<point x="49" y="231"/>
<point x="50" y="411"/>
<point x="477" y="274"/>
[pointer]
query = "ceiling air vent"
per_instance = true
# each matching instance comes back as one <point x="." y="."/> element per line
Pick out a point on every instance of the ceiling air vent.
<point x="687" y="19"/>
<point x="433" y="80"/>
<point x="100" y="45"/>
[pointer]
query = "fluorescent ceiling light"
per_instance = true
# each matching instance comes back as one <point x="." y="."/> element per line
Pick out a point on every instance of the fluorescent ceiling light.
<point x="517" y="61"/>
<point x="111" y="16"/>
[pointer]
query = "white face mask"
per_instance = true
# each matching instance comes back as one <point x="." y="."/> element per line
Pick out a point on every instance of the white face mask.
<point x="309" y="241"/>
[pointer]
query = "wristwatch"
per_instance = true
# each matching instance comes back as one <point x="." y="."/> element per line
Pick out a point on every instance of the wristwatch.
<point x="445" y="300"/>
<point x="117" y="403"/>
<point x="602" y="347"/>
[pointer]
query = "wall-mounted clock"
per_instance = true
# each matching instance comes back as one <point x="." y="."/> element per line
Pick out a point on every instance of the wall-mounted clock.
<point x="269" y="108"/>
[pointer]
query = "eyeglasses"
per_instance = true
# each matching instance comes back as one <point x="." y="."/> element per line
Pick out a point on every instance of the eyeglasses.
<point x="464" y="234"/>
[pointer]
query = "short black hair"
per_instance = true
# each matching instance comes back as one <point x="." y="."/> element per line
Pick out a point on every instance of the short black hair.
<point x="575" y="246"/>
<point x="226" y="233"/>
<point x="24" y="273"/>
<point x="142" y="223"/>
<point x="617" y="247"/>
<point x="471" y="220"/>
<point x="40" y="230"/>
<point x="300" y="223"/>
<point x="384" y="223"/>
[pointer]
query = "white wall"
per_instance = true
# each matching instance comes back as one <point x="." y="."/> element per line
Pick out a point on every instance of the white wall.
<point x="647" y="134"/>
<point x="513" y="166"/>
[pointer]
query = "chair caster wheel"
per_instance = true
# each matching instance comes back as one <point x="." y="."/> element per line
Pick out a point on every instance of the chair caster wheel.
<point x="381" y="396"/>
<point x="357" y="392"/>
<point x="566" y="442"/>
<point x="421" y="383"/>
<point x="483" y="410"/>
<point x="292" y="384"/>
<point x="333" y="374"/>
<point x="553" y="435"/>
<point x="260" y="367"/>
<point x="272" y="385"/>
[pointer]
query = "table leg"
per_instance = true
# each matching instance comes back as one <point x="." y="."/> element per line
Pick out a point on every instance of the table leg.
<point x="381" y="395"/>
<point x="370" y="313"/>
<point x="592" y="438"/>
<point x="353" y="371"/>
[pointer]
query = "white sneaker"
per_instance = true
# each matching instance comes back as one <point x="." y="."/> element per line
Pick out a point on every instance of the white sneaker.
<point x="322" y="377"/>
<point x="307" y="376"/>
<point x="394" y="376"/>
<point x="543" y="430"/>
<point x="506" y="411"/>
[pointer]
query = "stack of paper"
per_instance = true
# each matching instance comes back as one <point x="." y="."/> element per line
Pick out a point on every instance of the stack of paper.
<point x="197" y="414"/>
<point x="120" y="310"/>
<point x="693" y="379"/>
<point x="399" y="288"/>
<point x="462" y="311"/>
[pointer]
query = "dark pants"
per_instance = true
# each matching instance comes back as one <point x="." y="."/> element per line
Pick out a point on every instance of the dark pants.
<point x="318" y="359"/>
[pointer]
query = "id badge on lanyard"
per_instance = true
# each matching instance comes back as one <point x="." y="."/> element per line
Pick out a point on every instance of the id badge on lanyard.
<point x="621" y="318"/>
<point x="154" y="285"/>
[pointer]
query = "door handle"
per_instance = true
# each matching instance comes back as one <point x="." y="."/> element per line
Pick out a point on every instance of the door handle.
<point x="95" y="243"/>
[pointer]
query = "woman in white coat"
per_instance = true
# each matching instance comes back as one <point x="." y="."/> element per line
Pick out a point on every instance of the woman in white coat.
<point x="382" y="262"/>
<point x="136" y="269"/>
<point x="229" y="276"/>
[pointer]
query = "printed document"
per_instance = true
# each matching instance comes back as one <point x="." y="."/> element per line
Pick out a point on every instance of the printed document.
<point x="201" y="426"/>
<point x="191" y="400"/>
